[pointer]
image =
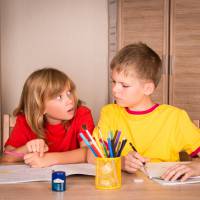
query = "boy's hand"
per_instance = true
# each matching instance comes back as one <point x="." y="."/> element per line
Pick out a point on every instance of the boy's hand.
<point x="182" y="171"/>
<point x="37" y="145"/>
<point x="35" y="160"/>
<point x="133" y="161"/>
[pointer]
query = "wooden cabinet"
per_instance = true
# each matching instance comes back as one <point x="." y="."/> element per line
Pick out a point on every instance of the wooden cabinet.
<point x="172" y="28"/>
<point x="185" y="56"/>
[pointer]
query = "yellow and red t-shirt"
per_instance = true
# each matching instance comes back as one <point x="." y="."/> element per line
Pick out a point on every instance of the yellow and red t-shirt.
<point x="159" y="133"/>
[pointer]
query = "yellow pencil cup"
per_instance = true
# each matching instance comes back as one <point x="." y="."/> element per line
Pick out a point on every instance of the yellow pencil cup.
<point x="108" y="173"/>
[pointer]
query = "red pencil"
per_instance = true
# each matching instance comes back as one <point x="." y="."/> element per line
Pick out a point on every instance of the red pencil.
<point x="95" y="149"/>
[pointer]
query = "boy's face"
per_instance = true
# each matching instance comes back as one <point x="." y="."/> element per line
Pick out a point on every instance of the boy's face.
<point x="62" y="107"/>
<point x="130" y="91"/>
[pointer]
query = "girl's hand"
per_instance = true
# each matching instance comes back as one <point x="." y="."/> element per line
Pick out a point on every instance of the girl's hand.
<point x="182" y="171"/>
<point x="35" y="160"/>
<point x="133" y="161"/>
<point x="37" y="145"/>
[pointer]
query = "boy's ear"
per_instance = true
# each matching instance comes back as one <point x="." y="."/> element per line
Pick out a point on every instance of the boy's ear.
<point x="149" y="88"/>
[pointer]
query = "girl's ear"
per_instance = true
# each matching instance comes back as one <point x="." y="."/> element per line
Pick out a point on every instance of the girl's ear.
<point x="149" y="88"/>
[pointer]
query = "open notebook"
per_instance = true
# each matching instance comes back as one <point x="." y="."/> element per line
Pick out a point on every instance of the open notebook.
<point x="23" y="173"/>
<point x="155" y="170"/>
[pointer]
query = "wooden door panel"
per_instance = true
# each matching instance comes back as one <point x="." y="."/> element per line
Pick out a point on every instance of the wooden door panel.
<point x="146" y="21"/>
<point x="185" y="51"/>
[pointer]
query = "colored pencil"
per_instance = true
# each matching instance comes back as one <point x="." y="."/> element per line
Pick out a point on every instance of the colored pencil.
<point x="134" y="149"/>
<point x="100" y="146"/>
<point x="88" y="144"/>
<point x="110" y="148"/>
<point x="105" y="146"/>
<point x="92" y="140"/>
<point x="122" y="147"/>
<point x="117" y="139"/>
<point x="118" y="147"/>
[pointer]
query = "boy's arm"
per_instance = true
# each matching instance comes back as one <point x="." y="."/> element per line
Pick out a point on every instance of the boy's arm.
<point x="183" y="171"/>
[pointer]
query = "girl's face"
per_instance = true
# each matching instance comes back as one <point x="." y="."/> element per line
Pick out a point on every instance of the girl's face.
<point x="60" y="108"/>
<point x="129" y="91"/>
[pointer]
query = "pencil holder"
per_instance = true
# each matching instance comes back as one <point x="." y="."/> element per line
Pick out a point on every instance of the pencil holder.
<point x="108" y="173"/>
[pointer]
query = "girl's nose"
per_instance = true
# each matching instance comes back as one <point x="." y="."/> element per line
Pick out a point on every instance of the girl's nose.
<point x="68" y="99"/>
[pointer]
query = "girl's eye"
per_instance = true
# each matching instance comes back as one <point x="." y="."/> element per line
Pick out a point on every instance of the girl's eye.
<point x="69" y="94"/>
<point x="59" y="97"/>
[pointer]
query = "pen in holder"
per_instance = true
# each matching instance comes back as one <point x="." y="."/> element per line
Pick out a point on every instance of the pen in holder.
<point x="108" y="173"/>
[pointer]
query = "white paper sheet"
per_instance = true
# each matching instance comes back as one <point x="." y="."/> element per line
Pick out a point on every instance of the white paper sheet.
<point x="155" y="170"/>
<point x="23" y="173"/>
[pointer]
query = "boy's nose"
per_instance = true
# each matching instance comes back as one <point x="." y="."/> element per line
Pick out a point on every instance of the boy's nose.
<point x="116" y="88"/>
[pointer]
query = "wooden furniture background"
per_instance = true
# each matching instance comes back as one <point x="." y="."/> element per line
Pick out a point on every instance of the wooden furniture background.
<point x="8" y="124"/>
<point x="172" y="28"/>
<point x="83" y="187"/>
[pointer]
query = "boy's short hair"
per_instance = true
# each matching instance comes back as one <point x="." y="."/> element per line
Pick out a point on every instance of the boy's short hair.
<point x="140" y="58"/>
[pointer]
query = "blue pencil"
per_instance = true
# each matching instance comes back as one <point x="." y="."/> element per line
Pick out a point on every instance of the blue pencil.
<point x="110" y="148"/>
<point x="88" y="144"/>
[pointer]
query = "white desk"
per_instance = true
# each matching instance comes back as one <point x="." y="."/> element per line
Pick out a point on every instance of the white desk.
<point x="83" y="187"/>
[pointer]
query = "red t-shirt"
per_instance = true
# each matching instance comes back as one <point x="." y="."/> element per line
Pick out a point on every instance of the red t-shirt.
<point x="58" y="138"/>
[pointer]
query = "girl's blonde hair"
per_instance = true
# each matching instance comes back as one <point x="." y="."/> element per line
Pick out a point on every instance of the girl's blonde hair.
<point x="41" y="85"/>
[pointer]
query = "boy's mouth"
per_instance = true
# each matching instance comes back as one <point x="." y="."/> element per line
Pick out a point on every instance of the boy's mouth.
<point x="117" y="98"/>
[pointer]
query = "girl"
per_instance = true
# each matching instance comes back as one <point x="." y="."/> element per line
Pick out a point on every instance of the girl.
<point x="49" y="120"/>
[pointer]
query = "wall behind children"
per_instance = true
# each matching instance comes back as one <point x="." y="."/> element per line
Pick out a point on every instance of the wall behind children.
<point x="70" y="35"/>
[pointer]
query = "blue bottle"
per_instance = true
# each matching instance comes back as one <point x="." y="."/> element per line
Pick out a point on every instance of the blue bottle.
<point x="58" y="181"/>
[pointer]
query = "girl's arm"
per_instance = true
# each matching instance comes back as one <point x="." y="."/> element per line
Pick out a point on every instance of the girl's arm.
<point x="74" y="156"/>
<point x="12" y="154"/>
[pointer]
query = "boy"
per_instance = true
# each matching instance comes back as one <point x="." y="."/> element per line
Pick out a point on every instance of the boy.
<point x="158" y="132"/>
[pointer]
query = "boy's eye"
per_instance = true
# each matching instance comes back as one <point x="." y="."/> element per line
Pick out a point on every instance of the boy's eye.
<point x="125" y="86"/>
<point x="113" y="82"/>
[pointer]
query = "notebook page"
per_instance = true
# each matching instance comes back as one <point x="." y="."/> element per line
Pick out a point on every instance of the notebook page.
<point x="71" y="169"/>
<point x="24" y="173"/>
<point x="158" y="168"/>
<point x="155" y="170"/>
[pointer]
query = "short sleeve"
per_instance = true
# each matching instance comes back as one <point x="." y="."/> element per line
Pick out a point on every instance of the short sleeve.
<point x="188" y="137"/>
<point x="21" y="133"/>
